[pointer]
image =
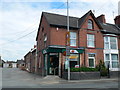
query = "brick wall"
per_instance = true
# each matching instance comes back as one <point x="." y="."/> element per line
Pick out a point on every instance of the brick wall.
<point x="43" y="30"/>
<point x="33" y="58"/>
<point x="99" y="42"/>
<point x="27" y="59"/>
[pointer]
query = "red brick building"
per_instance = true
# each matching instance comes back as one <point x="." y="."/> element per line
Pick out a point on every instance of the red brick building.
<point x="30" y="59"/>
<point x="117" y="22"/>
<point x="86" y="42"/>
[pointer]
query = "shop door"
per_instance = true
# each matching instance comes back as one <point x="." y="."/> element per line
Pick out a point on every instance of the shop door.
<point x="54" y="65"/>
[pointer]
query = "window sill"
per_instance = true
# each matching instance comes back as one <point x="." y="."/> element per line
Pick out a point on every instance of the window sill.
<point x="91" y="47"/>
<point x="73" y="46"/>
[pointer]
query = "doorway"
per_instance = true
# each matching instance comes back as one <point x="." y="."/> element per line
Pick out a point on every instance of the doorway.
<point x="53" y="65"/>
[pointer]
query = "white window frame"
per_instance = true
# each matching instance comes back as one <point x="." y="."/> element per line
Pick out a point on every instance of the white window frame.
<point x="109" y="43"/>
<point x="93" y="61"/>
<point x="90" y="24"/>
<point x="110" y="59"/>
<point x="90" y="40"/>
<point x="115" y="60"/>
<point x="107" y="60"/>
<point x="75" y="44"/>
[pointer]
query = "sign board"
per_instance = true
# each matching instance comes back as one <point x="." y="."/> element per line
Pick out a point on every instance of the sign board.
<point x="67" y="50"/>
<point x="44" y="51"/>
<point x="73" y="51"/>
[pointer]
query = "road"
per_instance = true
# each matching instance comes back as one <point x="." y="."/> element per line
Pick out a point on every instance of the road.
<point x="16" y="78"/>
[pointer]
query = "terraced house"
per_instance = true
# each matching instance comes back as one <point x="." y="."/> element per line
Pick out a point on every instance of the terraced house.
<point x="91" y="40"/>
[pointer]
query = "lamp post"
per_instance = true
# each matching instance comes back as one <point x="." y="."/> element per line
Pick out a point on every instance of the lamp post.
<point x="68" y="42"/>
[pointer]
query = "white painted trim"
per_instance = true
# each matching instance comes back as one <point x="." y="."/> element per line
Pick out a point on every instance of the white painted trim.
<point x="112" y="69"/>
<point x="110" y="34"/>
<point x="93" y="59"/>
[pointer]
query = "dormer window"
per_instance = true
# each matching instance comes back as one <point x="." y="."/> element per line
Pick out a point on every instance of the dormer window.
<point x="90" y="24"/>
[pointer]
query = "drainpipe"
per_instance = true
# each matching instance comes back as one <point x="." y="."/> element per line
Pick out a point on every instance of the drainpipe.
<point x="36" y="60"/>
<point x="84" y="58"/>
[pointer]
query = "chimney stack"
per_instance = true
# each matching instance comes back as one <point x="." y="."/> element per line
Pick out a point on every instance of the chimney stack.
<point x="117" y="20"/>
<point x="101" y="18"/>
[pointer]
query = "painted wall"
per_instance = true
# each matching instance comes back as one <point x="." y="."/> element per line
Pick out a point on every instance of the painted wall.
<point x="5" y="65"/>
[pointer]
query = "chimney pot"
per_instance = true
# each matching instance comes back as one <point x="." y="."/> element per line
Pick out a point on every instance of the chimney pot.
<point x="117" y="20"/>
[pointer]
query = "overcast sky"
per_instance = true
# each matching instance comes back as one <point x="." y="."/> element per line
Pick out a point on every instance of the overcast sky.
<point x="19" y="20"/>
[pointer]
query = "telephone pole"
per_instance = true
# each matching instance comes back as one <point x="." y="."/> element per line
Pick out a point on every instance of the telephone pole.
<point x="68" y="41"/>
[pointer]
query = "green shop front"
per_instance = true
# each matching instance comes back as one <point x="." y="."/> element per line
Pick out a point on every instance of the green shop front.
<point x="55" y="61"/>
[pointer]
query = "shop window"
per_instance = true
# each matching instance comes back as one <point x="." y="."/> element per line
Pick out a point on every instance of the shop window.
<point x="73" y="58"/>
<point x="73" y="63"/>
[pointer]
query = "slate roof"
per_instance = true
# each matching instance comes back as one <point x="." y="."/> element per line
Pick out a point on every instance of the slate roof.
<point x="76" y="23"/>
<point x="110" y="28"/>
<point x="60" y="20"/>
<point x="83" y="18"/>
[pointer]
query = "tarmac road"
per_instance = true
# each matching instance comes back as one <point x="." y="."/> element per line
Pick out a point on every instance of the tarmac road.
<point x="16" y="78"/>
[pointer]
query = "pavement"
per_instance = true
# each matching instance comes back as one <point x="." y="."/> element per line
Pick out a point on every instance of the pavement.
<point x="16" y="78"/>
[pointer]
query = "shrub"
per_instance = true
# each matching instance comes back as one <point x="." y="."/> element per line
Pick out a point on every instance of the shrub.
<point x="103" y="72"/>
<point x="101" y="67"/>
<point x="83" y="69"/>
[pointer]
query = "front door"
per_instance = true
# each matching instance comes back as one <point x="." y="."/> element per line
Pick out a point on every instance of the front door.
<point x="53" y="65"/>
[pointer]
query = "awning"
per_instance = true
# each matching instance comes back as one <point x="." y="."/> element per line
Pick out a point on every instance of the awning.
<point x="52" y="50"/>
<point x="60" y="50"/>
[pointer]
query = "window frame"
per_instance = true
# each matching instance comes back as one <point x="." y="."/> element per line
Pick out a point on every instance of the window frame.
<point x="90" y="40"/>
<point x="109" y="42"/>
<point x="73" y="39"/>
<point x="90" y="24"/>
<point x="93" y="60"/>
<point x="45" y="40"/>
<point x="110" y="59"/>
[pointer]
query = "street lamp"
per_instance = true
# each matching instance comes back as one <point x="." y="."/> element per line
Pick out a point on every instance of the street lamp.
<point x="68" y="41"/>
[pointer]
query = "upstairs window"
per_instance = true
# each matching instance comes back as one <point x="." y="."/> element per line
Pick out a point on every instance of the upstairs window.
<point x="90" y="40"/>
<point x="45" y="40"/>
<point x="73" y="38"/>
<point x="90" y="24"/>
<point x="110" y="42"/>
<point x="113" y="44"/>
